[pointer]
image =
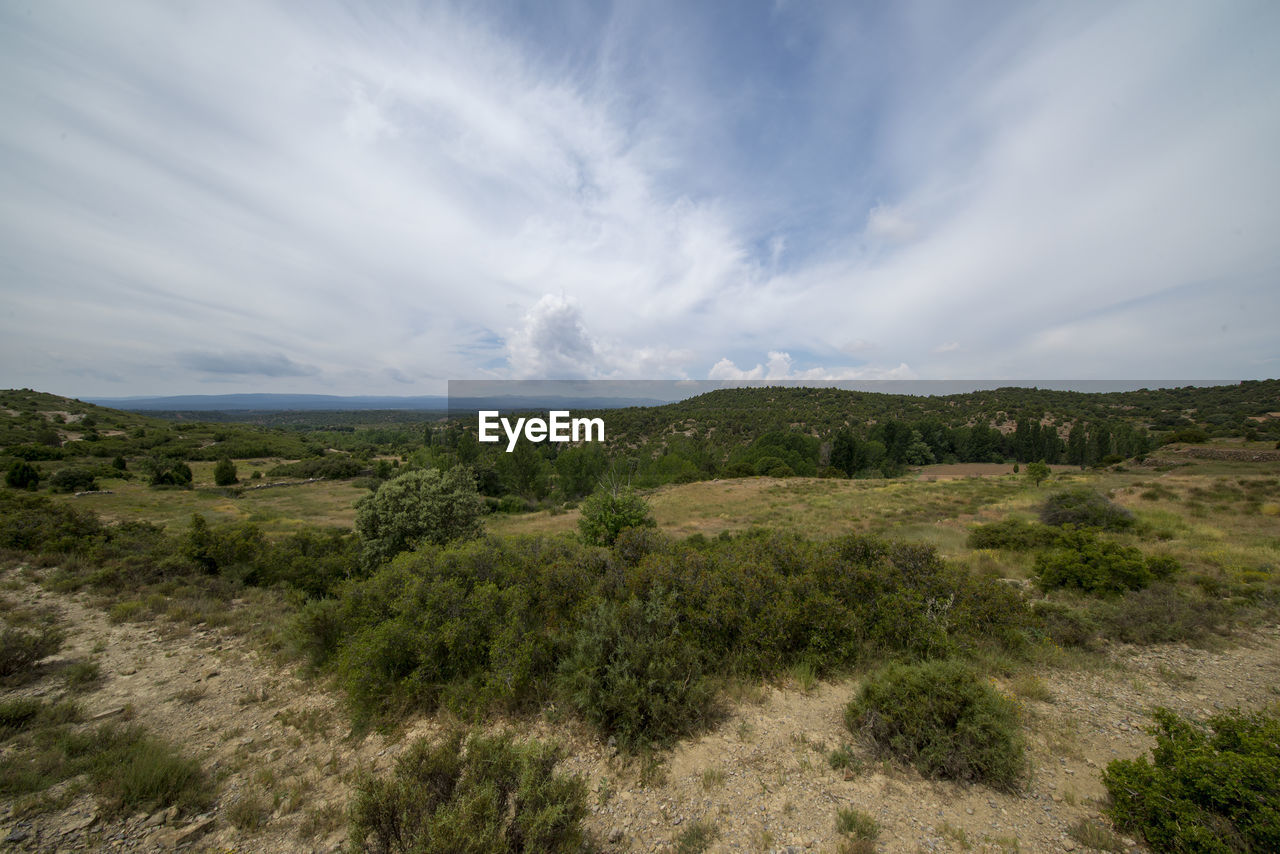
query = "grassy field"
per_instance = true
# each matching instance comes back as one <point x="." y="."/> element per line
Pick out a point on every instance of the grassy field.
<point x="936" y="511"/>
<point x="277" y="510"/>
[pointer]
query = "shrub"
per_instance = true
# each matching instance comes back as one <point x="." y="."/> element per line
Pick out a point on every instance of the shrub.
<point x="1162" y="613"/>
<point x="1084" y="508"/>
<point x="34" y="523"/>
<point x="1065" y="625"/>
<point x="135" y="772"/>
<point x="332" y="467"/>
<point x="1036" y="472"/>
<point x="1093" y="565"/>
<point x="21" y="650"/>
<point x="477" y="793"/>
<point x="224" y="473"/>
<point x="608" y="512"/>
<point x="944" y="719"/>
<point x="417" y="507"/>
<point x="635" y="675"/>
<point x="1207" y="789"/>
<point x="73" y="480"/>
<point x="22" y="475"/>
<point x="1012" y="534"/>
<point x="166" y="472"/>
<point x="1189" y="435"/>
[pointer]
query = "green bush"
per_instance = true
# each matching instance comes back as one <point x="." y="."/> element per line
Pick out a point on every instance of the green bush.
<point x="1065" y="625"/>
<point x="133" y="771"/>
<point x="169" y="472"/>
<point x="1084" y="508"/>
<point x="224" y="473"/>
<point x="1161" y="613"/>
<point x="73" y="480"/>
<point x="331" y="467"/>
<point x="1012" y="534"/>
<point x="421" y="506"/>
<point x="489" y="624"/>
<point x="1208" y="789"/>
<point x="21" y="650"/>
<point x="34" y="523"/>
<point x="944" y="719"/>
<point x="608" y="512"/>
<point x="22" y="475"/>
<point x="1086" y="562"/>
<point x="635" y="675"/>
<point x="470" y="793"/>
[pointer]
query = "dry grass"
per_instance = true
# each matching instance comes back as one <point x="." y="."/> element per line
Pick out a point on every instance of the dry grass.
<point x="276" y="511"/>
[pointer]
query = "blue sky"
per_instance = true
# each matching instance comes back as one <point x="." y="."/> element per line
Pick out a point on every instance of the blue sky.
<point x="376" y="198"/>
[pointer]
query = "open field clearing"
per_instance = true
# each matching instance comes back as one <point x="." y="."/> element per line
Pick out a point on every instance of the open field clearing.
<point x="277" y="510"/>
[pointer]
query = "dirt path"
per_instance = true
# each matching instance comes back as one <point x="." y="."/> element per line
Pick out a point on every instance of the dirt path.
<point x="278" y="745"/>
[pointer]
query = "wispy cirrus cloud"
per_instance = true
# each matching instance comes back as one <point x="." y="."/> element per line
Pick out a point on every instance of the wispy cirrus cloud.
<point x="355" y="200"/>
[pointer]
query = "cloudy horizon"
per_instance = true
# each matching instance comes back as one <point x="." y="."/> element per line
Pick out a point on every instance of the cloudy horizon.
<point x="334" y="199"/>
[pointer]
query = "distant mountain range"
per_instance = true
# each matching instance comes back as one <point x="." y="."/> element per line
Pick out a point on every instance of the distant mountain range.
<point x="339" y="403"/>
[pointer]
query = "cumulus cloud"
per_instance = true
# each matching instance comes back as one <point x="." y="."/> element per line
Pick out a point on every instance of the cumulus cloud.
<point x="779" y="366"/>
<point x="552" y="342"/>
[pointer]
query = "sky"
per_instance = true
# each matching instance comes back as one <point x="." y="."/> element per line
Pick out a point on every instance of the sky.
<point x="376" y="198"/>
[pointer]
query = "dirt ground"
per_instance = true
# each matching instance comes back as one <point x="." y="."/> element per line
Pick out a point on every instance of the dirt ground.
<point x="280" y="749"/>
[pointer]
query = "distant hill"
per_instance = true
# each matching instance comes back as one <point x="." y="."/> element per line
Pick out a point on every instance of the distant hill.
<point x="270" y="403"/>
<point x="259" y="403"/>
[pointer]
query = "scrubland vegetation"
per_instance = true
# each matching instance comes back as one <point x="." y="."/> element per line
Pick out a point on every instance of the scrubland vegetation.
<point x="424" y="590"/>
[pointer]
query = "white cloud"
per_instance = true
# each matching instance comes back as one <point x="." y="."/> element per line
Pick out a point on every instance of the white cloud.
<point x="891" y="224"/>
<point x="387" y="196"/>
<point x="779" y="366"/>
<point x="552" y="343"/>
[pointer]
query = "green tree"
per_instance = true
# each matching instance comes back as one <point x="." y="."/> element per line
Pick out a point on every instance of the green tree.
<point x="224" y="473"/>
<point x="610" y="510"/>
<point x="22" y="475"/>
<point x="1037" y="472"/>
<point x="423" y="506"/>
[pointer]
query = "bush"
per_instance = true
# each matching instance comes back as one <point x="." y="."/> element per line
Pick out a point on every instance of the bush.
<point x="34" y="523"/>
<point x="477" y="793"/>
<point x="21" y="650"/>
<point x="136" y="772"/>
<point x="1065" y="625"/>
<point x="492" y="624"/>
<point x="332" y="467"/>
<point x="166" y="472"/>
<point x="1162" y="613"/>
<point x="1189" y="435"/>
<point x="944" y="719"/>
<point x="22" y="475"/>
<point x="422" y="506"/>
<point x="635" y="675"/>
<point x="224" y="473"/>
<point x="73" y="480"/>
<point x="1206" y="790"/>
<point x="1084" y="508"/>
<point x="1036" y="472"/>
<point x="1012" y="534"/>
<point x="1093" y="565"/>
<point x="608" y="512"/>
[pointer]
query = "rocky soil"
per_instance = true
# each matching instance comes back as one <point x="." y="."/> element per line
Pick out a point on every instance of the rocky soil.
<point x="280" y="750"/>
